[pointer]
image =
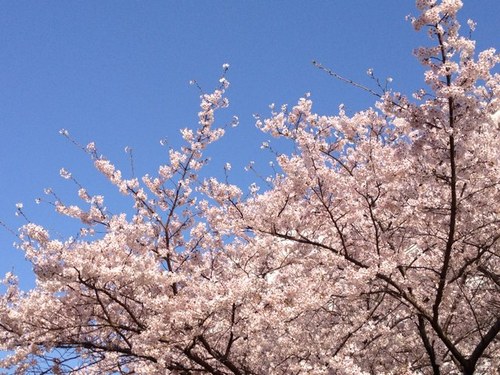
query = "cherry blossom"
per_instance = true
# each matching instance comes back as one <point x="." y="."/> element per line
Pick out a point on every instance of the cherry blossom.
<point x="375" y="249"/>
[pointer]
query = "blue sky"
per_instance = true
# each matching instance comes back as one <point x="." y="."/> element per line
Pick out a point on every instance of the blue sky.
<point x="117" y="73"/>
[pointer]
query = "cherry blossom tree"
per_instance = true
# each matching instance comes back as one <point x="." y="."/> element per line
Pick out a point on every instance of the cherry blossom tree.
<point x="375" y="248"/>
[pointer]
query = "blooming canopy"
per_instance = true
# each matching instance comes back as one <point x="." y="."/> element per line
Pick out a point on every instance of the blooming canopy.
<point x="375" y="249"/>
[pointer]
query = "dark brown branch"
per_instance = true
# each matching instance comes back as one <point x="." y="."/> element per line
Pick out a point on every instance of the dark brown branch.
<point x="428" y="346"/>
<point x="453" y="204"/>
<point x="487" y="339"/>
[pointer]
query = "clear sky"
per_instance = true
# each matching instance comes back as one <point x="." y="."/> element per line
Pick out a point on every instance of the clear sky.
<point x="117" y="73"/>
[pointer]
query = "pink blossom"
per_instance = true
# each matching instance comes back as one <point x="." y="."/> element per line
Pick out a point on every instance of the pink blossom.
<point x="373" y="249"/>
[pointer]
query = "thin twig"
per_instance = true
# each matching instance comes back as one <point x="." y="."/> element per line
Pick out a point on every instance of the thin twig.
<point x="347" y="80"/>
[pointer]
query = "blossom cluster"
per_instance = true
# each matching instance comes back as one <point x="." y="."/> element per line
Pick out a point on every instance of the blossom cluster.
<point x="374" y="250"/>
